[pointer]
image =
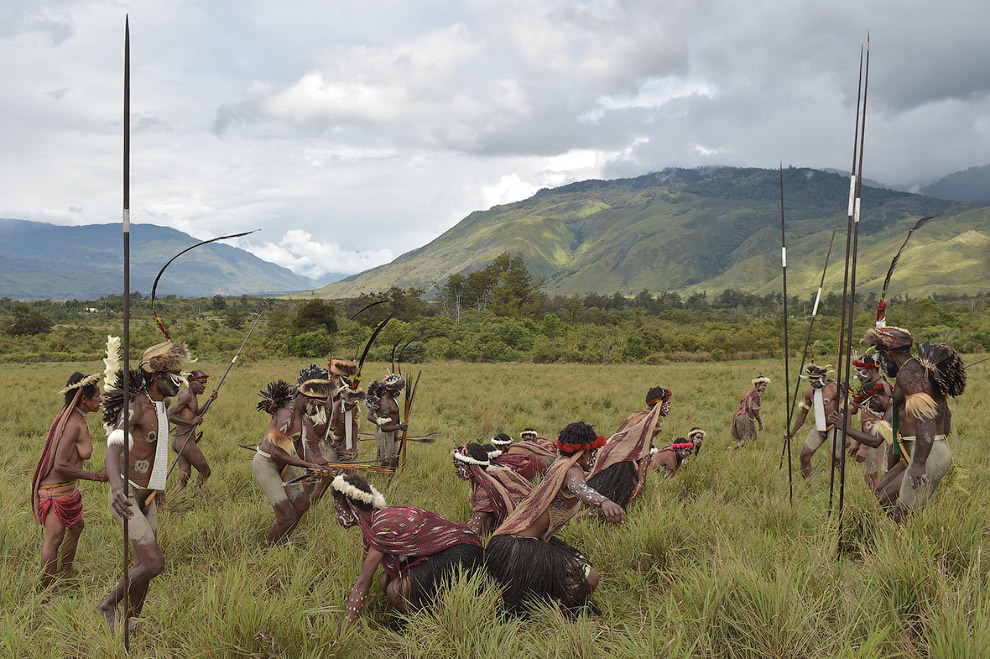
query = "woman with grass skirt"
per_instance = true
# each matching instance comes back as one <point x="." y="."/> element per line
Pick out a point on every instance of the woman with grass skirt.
<point x="620" y="471"/>
<point x="495" y="491"/>
<point x="417" y="549"/>
<point x="524" y="556"/>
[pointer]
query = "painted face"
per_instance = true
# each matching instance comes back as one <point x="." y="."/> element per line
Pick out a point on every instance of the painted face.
<point x="587" y="459"/>
<point x="665" y="407"/>
<point x="889" y="367"/>
<point x="462" y="470"/>
<point x="817" y="381"/>
<point x="697" y="438"/>
<point x="168" y="383"/>
<point x="864" y="374"/>
<point x="762" y="386"/>
<point x="343" y="514"/>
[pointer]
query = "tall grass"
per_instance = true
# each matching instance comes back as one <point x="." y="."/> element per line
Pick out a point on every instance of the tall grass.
<point x="714" y="562"/>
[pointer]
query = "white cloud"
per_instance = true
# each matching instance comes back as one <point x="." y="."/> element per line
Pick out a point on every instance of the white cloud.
<point x="300" y="253"/>
<point x="509" y="188"/>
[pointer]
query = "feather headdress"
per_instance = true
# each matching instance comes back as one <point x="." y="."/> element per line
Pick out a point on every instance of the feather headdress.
<point x="113" y="398"/>
<point x="313" y="372"/>
<point x="111" y="363"/>
<point x="945" y="367"/>
<point x="165" y="356"/>
<point x="275" y="396"/>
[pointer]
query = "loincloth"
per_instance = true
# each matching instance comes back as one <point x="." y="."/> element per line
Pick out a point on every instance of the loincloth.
<point x="65" y="499"/>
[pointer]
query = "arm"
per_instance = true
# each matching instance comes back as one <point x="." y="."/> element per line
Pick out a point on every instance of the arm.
<point x="175" y="411"/>
<point x="754" y="407"/>
<point x="480" y="522"/>
<point x="641" y="467"/>
<point x="312" y="441"/>
<point x="802" y="415"/>
<point x="391" y="423"/>
<point x="575" y="482"/>
<point x="361" y="587"/>
<point x="869" y="439"/>
<point x="286" y="458"/>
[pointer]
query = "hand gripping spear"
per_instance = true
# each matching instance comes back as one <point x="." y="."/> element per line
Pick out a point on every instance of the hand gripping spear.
<point x="192" y="431"/>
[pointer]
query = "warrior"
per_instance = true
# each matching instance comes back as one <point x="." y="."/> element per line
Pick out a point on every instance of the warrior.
<point x="55" y="497"/>
<point x="383" y="411"/>
<point x="697" y="437"/>
<point x="527" y="459"/>
<point x="157" y="380"/>
<point x="921" y="416"/>
<point x="279" y="452"/>
<point x="345" y="424"/>
<point x="525" y="556"/>
<point x="495" y="491"/>
<point x="872" y="386"/>
<point x="747" y="417"/>
<point x="418" y="550"/>
<point x="620" y="471"/>
<point x="317" y="411"/>
<point x="669" y="459"/>
<point x="185" y="415"/>
<point x="823" y="397"/>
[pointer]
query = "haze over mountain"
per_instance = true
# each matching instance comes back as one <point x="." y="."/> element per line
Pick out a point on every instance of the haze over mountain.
<point x="703" y="229"/>
<point x="971" y="184"/>
<point x="39" y="260"/>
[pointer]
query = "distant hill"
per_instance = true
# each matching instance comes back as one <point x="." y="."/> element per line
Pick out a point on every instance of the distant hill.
<point x="703" y="229"/>
<point x="39" y="260"/>
<point x="972" y="184"/>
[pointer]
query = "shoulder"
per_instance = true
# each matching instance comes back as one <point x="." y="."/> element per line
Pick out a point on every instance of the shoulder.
<point x="911" y="379"/>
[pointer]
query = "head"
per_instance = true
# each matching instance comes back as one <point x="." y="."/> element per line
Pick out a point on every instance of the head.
<point x="467" y="456"/>
<point x="353" y="495"/>
<point x="501" y="441"/>
<point x="492" y="451"/>
<point x="892" y="347"/>
<point x="760" y="383"/>
<point x="697" y="436"/>
<point x="528" y="434"/>
<point x="817" y="375"/>
<point x="314" y="395"/>
<point x="393" y="384"/>
<point x="163" y="364"/>
<point x="87" y="387"/>
<point x="197" y="381"/>
<point x="867" y="369"/>
<point x="683" y="447"/>
<point x="659" y="396"/>
<point x="579" y="436"/>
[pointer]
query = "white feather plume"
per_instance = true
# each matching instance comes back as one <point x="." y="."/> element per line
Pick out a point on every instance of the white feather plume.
<point x="111" y="362"/>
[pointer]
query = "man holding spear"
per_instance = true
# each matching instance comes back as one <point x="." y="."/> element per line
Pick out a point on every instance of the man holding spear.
<point x="186" y="415"/>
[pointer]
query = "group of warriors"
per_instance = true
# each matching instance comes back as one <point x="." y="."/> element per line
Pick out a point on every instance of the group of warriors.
<point x="903" y="426"/>
<point x="522" y="493"/>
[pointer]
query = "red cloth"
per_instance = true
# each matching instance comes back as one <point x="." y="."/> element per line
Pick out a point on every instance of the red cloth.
<point x="408" y="535"/>
<point x="65" y="500"/>
<point x="530" y="509"/>
<point x="497" y="490"/>
<point x="47" y="460"/>
<point x="749" y="405"/>
<point x="524" y="465"/>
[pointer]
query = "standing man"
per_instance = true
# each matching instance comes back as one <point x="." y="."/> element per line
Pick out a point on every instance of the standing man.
<point x="872" y="388"/>
<point x="185" y="415"/>
<point x="55" y="496"/>
<point x="746" y="418"/>
<point x="161" y="367"/>
<point x="385" y="415"/>
<point x="345" y="424"/>
<point x="921" y="419"/>
<point x="822" y="397"/>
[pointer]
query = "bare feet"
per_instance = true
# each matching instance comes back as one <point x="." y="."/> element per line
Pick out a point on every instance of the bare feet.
<point x="110" y="613"/>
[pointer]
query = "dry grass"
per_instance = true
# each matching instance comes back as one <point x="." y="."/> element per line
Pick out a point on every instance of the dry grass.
<point x="713" y="563"/>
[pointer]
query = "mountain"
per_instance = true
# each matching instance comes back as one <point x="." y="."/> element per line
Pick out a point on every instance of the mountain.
<point x="39" y="260"/>
<point x="972" y="184"/>
<point x="703" y="229"/>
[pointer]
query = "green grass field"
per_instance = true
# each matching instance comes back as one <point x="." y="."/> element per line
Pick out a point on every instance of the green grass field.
<point x="712" y="563"/>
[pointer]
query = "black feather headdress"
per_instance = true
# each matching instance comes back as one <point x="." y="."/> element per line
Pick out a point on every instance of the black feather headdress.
<point x="275" y="396"/>
<point x="945" y="367"/>
<point x="882" y="304"/>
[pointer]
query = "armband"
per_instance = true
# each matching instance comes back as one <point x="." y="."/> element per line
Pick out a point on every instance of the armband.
<point x="804" y="406"/>
<point x="117" y="438"/>
<point x="382" y="421"/>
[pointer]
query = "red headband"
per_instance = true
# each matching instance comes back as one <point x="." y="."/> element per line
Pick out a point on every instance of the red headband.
<point x="651" y="403"/>
<point x="683" y="445"/>
<point x="198" y="377"/>
<point x="590" y="446"/>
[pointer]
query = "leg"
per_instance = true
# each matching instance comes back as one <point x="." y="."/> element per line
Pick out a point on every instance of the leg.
<point x="149" y="562"/>
<point x="811" y="444"/>
<point x="285" y="521"/>
<point x="185" y="471"/>
<point x="69" y="547"/>
<point x="54" y="533"/>
<point x="398" y="591"/>
<point x="196" y="459"/>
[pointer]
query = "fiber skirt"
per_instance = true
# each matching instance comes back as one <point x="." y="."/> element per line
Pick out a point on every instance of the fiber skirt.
<point x="616" y="483"/>
<point x="427" y="576"/>
<point x="532" y="571"/>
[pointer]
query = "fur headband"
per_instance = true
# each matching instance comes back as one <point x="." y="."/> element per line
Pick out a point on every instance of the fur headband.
<point x="373" y="498"/>
<point x="165" y="356"/>
<point x="764" y="379"/>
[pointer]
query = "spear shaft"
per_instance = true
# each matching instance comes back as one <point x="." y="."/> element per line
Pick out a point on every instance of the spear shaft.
<point x="127" y="309"/>
<point x="852" y="287"/>
<point x="206" y="407"/>
<point x="787" y="368"/>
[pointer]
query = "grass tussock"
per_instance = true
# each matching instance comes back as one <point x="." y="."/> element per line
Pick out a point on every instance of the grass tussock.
<point x="715" y="562"/>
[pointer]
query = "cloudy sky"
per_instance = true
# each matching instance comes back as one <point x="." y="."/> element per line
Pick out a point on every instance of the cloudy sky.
<point x="352" y="131"/>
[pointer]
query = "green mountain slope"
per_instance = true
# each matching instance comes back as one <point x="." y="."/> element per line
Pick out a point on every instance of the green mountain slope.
<point x="710" y="229"/>
<point x="39" y="260"/>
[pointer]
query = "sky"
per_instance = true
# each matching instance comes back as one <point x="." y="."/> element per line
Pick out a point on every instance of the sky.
<point x="352" y="131"/>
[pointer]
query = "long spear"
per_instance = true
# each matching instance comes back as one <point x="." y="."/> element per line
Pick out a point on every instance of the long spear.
<point x="410" y="396"/>
<point x="787" y="367"/>
<point x="845" y="279"/>
<point x="852" y="285"/>
<point x="206" y="407"/>
<point x="127" y="308"/>
<point x="807" y="342"/>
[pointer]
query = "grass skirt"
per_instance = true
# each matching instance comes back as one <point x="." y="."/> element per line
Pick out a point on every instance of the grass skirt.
<point x="533" y="570"/>
<point x="616" y="482"/>
<point x="426" y="577"/>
